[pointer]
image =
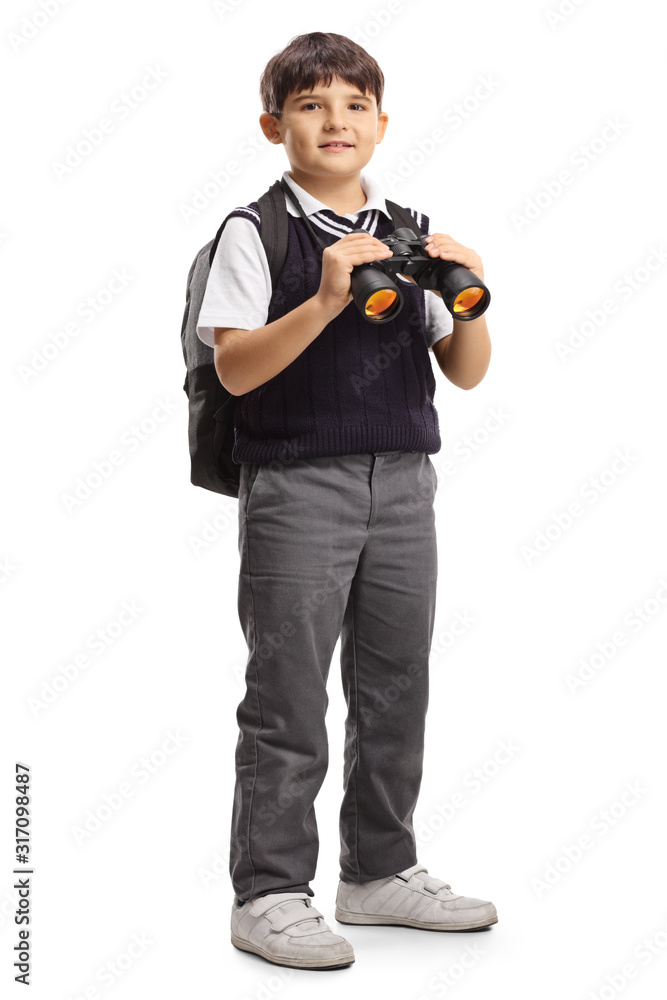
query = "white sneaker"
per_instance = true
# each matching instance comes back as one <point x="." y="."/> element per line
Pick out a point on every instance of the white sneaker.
<point x="286" y="929"/>
<point x="412" y="899"/>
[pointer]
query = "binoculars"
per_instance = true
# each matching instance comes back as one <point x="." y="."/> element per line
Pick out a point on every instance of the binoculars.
<point x="378" y="297"/>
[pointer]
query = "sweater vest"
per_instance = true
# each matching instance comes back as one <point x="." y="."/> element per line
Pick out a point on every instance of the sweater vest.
<point x="358" y="386"/>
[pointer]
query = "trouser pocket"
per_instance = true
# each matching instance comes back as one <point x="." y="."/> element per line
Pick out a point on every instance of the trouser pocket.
<point x="435" y="474"/>
<point x="247" y="482"/>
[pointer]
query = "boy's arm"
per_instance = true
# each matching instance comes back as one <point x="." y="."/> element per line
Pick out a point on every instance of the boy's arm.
<point x="238" y="289"/>
<point x="464" y="354"/>
<point x="246" y="359"/>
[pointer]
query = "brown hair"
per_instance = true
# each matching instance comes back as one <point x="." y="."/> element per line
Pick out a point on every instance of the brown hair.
<point x="317" y="58"/>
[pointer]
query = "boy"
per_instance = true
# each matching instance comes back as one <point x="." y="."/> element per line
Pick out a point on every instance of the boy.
<point x="334" y="426"/>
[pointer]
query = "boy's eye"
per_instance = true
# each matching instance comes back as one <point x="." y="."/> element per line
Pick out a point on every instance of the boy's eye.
<point x="312" y="104"/>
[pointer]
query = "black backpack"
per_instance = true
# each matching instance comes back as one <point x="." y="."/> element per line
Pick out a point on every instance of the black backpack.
<point x="211" y="407"/>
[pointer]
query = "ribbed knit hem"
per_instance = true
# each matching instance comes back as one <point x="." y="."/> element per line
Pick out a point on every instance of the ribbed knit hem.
<point x="337" y="441"/>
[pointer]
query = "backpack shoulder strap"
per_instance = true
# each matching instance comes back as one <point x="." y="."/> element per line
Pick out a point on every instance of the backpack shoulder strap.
<point x="403" y="218"/>
<point x="211" y="408"/>
<point x="274" y="230"/>
<point x="245" y="211"/>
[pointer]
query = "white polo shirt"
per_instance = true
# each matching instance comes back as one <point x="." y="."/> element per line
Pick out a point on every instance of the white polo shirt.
<point x="238" y="290"/>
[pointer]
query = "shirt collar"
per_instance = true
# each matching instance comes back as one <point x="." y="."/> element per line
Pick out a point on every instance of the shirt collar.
<point x="310" y="205"/>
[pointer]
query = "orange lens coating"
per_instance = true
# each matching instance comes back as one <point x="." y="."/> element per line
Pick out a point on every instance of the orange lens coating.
<point x="380" y="302"/>
<point x="467" y="299"/>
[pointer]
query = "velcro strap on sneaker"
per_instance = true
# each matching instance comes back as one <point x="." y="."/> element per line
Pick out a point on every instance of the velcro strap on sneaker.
<point x="431" y="884"/>
<point x="265" y="903"/>
<point x="434" y="885"/>
<point x="406" y="875"/>
<point x="281" y="921"/>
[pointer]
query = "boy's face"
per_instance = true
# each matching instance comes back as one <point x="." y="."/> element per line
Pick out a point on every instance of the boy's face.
<point x="314" y="121"/>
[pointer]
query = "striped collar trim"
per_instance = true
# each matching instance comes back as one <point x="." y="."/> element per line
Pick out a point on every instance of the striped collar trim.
<point x="311" y="206"/>
<point x="340" y="226"/>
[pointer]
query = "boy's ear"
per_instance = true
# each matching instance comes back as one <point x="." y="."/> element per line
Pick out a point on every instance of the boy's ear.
<point x="269" y="126"/>
<point x="383" y="119"/>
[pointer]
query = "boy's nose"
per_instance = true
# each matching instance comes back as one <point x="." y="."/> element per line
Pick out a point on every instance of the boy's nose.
<point x="334" y="121"/>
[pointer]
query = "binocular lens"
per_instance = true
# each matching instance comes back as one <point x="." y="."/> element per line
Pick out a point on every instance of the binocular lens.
<point x="381" y="303"/>
<point x="467" y="299"/>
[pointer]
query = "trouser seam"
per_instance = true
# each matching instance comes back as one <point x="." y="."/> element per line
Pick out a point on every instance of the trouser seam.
<point x="259" y="710"/>
<point x="356" y="727"/>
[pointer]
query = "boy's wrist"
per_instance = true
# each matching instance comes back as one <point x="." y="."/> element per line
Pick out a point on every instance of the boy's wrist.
<point x="326" y="308"/>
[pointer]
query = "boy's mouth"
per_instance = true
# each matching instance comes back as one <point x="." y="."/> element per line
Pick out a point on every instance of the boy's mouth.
<point x="336" y="145"/>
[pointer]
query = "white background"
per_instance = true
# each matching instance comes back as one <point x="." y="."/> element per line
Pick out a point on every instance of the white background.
<point x="566" y="927"/>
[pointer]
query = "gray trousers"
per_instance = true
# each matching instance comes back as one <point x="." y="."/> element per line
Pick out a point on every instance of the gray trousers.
<point x="332" y="547"/>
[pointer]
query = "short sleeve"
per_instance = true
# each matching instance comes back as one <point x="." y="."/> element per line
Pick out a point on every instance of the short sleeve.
<point x="238" y="291"/>
<point x="439" y="320"/>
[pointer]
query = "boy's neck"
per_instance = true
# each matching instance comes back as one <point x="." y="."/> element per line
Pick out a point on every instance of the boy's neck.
<point x="344" y="195"/>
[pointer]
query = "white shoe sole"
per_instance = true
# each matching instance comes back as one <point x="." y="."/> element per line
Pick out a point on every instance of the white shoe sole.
<point x="345" y="917"/>
<point x="295" y="963"/>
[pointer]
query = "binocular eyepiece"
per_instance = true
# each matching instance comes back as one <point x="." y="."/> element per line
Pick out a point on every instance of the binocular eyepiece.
<point x="378" y="297"/>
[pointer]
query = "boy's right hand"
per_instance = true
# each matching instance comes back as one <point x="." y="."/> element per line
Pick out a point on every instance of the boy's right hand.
<point x="334" y="292"/>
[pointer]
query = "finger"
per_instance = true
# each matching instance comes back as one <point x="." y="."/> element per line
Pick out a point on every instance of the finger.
<point x="447" y="245"/>
<point x="363" y="258"/>
<point x="460" y="258"/>
<point x="377" y="248"/>
<point x="350" y="261"/>
<point x="373" y="251"/>
<point x="361" y="236"/>
<point x="453" y="253"/>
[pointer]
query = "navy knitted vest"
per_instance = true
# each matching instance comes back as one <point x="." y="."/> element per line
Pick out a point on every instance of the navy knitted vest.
<point x="359" y="386"/>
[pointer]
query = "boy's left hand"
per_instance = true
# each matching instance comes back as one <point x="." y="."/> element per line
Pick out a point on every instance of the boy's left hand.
<point x="441" y="245"/>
